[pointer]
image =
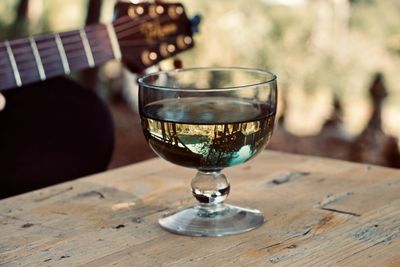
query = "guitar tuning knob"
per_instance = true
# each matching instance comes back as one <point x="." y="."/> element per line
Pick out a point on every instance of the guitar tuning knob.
<point x="183" y="41"/>
<point x="148" y="57"/>
<point x="167" y="49"/>
<point x="195" y="22"/>
<point x="133" y="12"/>
<point x="156" y="10"/>
<point x="171" y="48"/>
<point x="174" y="11"/>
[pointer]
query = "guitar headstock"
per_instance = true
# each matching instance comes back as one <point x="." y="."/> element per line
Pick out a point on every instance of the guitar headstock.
<point x="150" y="32"/>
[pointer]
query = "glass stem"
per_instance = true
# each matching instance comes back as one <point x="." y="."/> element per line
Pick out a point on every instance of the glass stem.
<point x="210" y="187"/>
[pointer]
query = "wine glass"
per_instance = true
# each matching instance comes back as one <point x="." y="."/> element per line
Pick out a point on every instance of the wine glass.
<point x="209" y="119"/>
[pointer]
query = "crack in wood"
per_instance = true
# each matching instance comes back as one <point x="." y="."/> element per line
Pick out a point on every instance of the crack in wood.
<point x="27" y="225"/>
<point x="54" y="194"/>
<point x="91" y="193"/>
<point x="341" y="211"/>
<point x="274" y="245"/>
<point x="64" y="257"/>
<point x="364" y="249"/>
<point x="119" y="226"/>
<point x="287" y="239"/>
<point x="333" y="198"/>
<point x="292" y="176"/>
<point x="306" y="232"/>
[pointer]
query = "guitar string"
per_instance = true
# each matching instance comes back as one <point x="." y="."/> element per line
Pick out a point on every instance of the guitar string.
<point x="118" y="24"/>
<point x="49" y="57"/>
<point x="70" y="48"/>
<point x="74" y="58"/>
<point x="80" y="54"/>
<point x="50" y="51"/>
<point x="90" y="29"/>
<point x="142" y="42"/>
<point x="66" y="40"/>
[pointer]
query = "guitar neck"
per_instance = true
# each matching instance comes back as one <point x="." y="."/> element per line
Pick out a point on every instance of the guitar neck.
<point x="32" y="59"/>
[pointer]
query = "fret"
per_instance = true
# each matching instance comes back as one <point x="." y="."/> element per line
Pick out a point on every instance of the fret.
<point x="114" y="41"/>
<point x="87" y="48"/>
<point x="100" y="43"/>
<point x="63" y="56"/>
<point x="38" y="60"/>
<point x="48" y="52"/>
<point x="14" y="67"/>
<point x="74" y="50"/>
<point x="41" y="57"/>
<point x="25" y="60"/>
<point x="6" y="72"/>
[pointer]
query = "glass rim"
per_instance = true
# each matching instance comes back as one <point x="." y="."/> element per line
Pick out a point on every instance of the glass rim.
<point x="141" y="80"/>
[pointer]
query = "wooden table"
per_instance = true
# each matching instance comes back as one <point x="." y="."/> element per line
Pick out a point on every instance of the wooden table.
<point x="319" y="212"/>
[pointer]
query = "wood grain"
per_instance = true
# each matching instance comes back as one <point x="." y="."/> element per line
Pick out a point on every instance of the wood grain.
<point x="319" y="212"/>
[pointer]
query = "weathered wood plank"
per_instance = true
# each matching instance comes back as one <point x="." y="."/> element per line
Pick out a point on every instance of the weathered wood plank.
<point x="319" y="212"/>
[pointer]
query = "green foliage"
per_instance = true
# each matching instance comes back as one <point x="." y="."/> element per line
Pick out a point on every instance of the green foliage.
<point x="314" y="46"/>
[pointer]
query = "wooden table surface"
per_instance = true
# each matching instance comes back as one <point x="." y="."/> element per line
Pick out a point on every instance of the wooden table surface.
<point x="319" y="212"/>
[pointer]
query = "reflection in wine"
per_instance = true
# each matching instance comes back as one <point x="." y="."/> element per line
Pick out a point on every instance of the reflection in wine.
<point x="196" y="136"/>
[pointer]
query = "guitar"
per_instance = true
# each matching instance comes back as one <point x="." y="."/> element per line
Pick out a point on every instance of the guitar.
<point x="141" y="35"/>
<point x="53" y="130"/>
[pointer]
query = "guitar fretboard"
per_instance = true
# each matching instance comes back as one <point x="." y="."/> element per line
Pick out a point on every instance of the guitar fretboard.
<point x="27" y="60"/>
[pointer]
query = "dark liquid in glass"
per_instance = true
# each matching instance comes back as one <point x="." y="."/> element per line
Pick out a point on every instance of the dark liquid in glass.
<point x="208" y="133"/>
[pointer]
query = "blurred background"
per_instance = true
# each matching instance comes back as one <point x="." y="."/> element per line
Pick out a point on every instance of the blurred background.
<point x="337" y="64"/>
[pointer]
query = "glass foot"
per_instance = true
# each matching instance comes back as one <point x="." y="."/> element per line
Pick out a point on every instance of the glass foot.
<point x="212" y="220"/>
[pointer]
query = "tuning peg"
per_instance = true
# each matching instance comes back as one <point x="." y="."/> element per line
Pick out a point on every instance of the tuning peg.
<point x="183" y="41"/>
<point x="133" y="12"/>
<point x="195" y="22"/>
<point x="175" y="11"/>
<point x="148" y="57"/>
<point x="167" y="49"/>
<point x="156" y="10"/>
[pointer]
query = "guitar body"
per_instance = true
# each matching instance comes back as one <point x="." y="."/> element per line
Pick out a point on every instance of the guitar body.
<point x="55" y="130"/>
<point x="51" y="132"/>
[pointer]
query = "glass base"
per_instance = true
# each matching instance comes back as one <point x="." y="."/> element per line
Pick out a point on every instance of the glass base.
<point x="212" y="220"/>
